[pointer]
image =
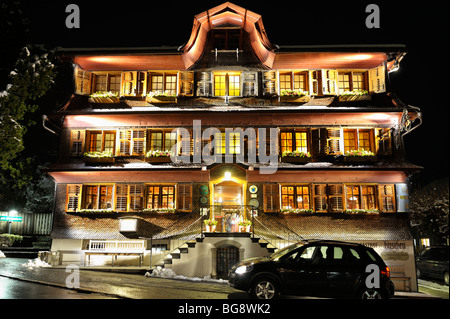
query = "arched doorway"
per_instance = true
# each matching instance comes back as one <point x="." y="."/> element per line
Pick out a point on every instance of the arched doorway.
<point x="226" y="257"/>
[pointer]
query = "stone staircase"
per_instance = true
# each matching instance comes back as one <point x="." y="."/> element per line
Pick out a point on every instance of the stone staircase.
<point x="195" y="258"/>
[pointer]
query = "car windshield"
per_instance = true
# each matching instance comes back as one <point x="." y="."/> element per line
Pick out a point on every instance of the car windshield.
<point x="285" y="251"/>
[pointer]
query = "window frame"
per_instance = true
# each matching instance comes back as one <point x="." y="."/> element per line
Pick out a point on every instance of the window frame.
<point x="163" y="140"/>
<point x="160" y="199"/>
<point x="295" y="196"/>
<point x="98" y="196"/>
<point x="294" y="141"/>
<point x="225" y="76"/>
<point x="103" y="135"/>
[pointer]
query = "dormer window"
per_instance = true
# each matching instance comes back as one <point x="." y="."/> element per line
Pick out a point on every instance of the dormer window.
<point x="227" y="38"/>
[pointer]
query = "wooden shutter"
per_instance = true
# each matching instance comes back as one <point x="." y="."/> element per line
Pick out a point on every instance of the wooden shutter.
<point x="333" y="141"/>
<point x="336" y="197"/>
<point x="250" y="84"/>
<point x="184" y="198"/>
<point x="186" y="83"/>
<point x="129" y="82"/>
<point x="320" y="198"/>
<point x="122" y="198"/>
<point x="314" y="79"/>
<point x="377" y="80"/>
<point x="271" y="197"/>
<point x="383" y="141"/>
<point x="138" y="142"/>
<point x="73" y="197"/>
<point x="387" y="197"/>
<point x="132" y="142"/>
<point x="270" y="82"/>
<point x="83" y="82"/>
<point x="329" y="82"/>
<point x="141" y="83"/>
<point x="136" y="197"/>
<point x="319" y="141"/>
<point x="77" y="138"/>
<point x="124" y="142"/>
<point x="204" y="84"/>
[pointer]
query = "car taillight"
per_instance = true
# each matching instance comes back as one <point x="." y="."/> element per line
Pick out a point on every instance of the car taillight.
<point x="386" y="272"/>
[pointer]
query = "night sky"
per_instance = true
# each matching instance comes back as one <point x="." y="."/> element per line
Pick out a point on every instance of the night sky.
<point x="422" y="80"/>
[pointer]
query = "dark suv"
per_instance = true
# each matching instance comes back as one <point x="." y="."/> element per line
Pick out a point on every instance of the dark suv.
<point x="315" y="268"/>
<point x="433" y="262"/>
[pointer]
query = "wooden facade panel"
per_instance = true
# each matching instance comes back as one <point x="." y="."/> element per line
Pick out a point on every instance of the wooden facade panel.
<point x="328" y="60"/>
<point x="169" y="176"/>
<point x="292" y="176"/>
<point x="130" y="62"/>
<point x="252" y="119"/>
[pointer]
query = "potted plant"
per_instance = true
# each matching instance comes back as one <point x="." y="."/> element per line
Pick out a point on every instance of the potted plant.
<point x="244" y="226"/>
<point x="355" y="95"/>
<point x="295" y="157"/>
<point x="294" y="96"/>
<point x="210" y="225"/>
<point x="359" y="156"/>
<point x="105" y="157"/>
<point x="158" y="156"/>
<point x="161" y="97"/>
<point x="104" y="97"/>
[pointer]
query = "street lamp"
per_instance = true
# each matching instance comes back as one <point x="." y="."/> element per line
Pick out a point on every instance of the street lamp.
<point x="11" y="213"/>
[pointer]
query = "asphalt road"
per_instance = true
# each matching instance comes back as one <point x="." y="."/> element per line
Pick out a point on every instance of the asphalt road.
<point x="19" y="289"/>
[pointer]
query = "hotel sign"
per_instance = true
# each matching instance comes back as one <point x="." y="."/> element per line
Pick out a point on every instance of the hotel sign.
<point x="10" y="219"/>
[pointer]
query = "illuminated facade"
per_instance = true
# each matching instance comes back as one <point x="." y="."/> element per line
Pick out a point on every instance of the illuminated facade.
<point x="190" y="145"/>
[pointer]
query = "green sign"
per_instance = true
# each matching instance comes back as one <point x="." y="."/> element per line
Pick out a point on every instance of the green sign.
<point x="10" y="219"/>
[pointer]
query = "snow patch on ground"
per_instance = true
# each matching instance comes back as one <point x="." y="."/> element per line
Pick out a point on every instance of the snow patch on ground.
<point x="160" y="272"/>
<point x="35" y="263"/>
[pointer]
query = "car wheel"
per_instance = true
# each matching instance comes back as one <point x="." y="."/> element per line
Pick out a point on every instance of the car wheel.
<point x="368" y="293"/>
<point x="446" y="278"/>
<point x="264" y="288"/>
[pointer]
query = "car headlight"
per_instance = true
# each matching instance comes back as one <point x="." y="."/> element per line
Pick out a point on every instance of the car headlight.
<point x="243" y="269"/>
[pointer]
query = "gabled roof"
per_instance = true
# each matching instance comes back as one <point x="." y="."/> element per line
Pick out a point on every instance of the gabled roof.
<point x="228" y="14"/>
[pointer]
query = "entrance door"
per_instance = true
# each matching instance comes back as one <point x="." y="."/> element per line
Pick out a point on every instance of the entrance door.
<point x="228" y="193"/>
<point x="227" y="210"/>
<point x="227" y="256"/>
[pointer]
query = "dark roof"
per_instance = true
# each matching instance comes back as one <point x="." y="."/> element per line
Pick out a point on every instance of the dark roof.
<point x="337" y="226"/>
<point x="98" y="226"/>
<point x="79" y="104"/>
<point x="294" y="227"/>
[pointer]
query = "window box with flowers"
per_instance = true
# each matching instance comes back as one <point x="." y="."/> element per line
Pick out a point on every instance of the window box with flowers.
<point x="159" y="210"/>
<point x="296" y="157"/>
<point x="104" y="97"/>
<point x="296" y="211"/>
<point x="294" y="96"/>
<point x="210" y="225"/>
<point x="105" y="157"/>
<point x="362" y="211"/>
<point x="95" y="211"/>
<point x="161" y="97"/>
<point x="158" y="156"/>
<point x="359" y="156"/>
<point x="244" y="226"/>
<point x="355" y="95"/>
